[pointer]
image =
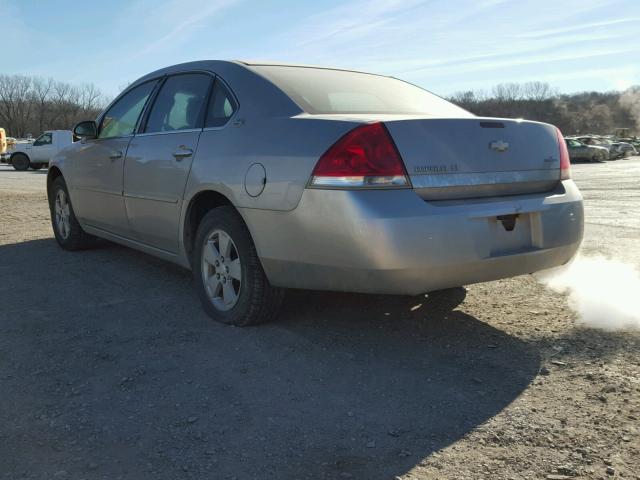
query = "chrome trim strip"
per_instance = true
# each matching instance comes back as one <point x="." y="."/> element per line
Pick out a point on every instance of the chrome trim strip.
<point x="117" y="193"/>
<point x="483" y="178"/>
<point x="151" y="197"/>
<point x="186" y="130"/>
<point x="210" y="129"/>
<point x="452" y="186"/>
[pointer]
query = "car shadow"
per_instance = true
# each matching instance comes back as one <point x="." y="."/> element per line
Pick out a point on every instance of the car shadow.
<point x="107" y="358"/>
<point x="582" y="162"/>
<point x="9" y="168"/>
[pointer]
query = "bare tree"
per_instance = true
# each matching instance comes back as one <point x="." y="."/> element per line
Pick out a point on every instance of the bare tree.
<point x="507" y="92"/>
<point x="91" y="97"/>
<point x="537" y="91"/>
<point x="630" y="99"/>
<point x="586" y="112"/>
<point x="33" y="104"/>
<point x="16" y="103"/>
<point x="42" y="91"/>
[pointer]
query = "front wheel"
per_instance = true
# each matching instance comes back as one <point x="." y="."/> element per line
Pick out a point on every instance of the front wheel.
<point x="20" y="162"/>
<point x="229" y="277"/>
<point x="67" y="230"/>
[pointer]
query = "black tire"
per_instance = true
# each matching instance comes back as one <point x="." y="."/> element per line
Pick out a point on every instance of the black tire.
<point x="76" y="238"/>
<point x="36" y="166"/>
<point x="20" y="162"/>
<point x="257" y="302"/>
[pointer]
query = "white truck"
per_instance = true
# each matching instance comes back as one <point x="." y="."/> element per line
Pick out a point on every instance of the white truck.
<point x="36" y="154"/>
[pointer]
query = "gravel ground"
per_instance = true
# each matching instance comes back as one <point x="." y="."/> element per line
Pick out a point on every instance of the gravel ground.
<point x="110" y="370"/>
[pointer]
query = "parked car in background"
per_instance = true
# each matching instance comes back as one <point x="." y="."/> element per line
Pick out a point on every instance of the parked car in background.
<point x="633" y="141"/>
<point x="260" y="177"/>
<point x="578" y="151"/>
<point x="37" y="154"/>
<point x="598" y="141"/>
<point x="623" y="149"/>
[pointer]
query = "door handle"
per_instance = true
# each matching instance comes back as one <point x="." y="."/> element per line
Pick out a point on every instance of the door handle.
<point x="182" y="152"/>
<point x="115" y="155"/>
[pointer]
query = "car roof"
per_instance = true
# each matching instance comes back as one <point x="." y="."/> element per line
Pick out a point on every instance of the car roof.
<point x="224" y="66"/>
<point x="268" y="63"/>
<point x="256" y="95"/>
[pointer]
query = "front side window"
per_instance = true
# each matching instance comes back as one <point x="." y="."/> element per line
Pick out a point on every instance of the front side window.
<point x="221" y="106"/>
<point x="44" y="139"/>
<point x="121" y="119"/>
<point x="180" y="103"/>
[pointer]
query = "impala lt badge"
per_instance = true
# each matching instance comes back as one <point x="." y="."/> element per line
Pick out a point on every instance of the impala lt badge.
<point x="499" y="146"/>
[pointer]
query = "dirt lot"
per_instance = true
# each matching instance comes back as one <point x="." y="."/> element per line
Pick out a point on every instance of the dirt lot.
<point x="109" y="369"/>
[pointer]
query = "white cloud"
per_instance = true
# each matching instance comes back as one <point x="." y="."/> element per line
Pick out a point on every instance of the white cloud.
<point x="428" y="42"/>
<point x="167" y="25"/>
<point x="583" y="26"/>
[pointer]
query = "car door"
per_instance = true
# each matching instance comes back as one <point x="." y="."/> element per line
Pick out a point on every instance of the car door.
<point x="159" y="159"/>
<point x="97" y="165"/>
<point x="41" y="149"/>
<point x="583" y="151"/>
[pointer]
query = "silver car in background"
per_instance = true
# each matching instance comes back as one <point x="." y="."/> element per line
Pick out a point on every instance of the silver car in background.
<point x="260" y="177"/>
<point x="589" y="153"/>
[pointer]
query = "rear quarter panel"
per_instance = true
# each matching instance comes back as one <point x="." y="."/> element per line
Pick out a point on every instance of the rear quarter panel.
<point x="287" y="148"/>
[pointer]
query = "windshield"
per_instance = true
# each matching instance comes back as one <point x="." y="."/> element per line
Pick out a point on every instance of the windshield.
<point x="325" y="91"/>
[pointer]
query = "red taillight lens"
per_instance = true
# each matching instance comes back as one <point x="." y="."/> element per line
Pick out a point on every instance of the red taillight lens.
<point x="364" y="157"/>
<point x="565" y="164"/>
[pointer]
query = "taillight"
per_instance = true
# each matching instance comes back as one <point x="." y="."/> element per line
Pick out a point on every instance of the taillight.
<point x="364" y="157"/>
<point x="565" y="164"/>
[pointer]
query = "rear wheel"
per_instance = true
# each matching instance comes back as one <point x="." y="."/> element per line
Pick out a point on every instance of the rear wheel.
<point x="229" y="277"/>
<point x="20" y="162"/>
<point x="67" y="230"/>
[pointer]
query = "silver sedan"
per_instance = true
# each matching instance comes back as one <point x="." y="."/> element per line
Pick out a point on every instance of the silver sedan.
<point x="261" y="177"/>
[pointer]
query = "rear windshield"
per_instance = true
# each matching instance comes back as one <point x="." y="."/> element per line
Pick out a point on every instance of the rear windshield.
<point x="322" y="91"/>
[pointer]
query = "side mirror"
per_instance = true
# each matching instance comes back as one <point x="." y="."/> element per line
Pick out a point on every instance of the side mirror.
<point x="86" y="130"/>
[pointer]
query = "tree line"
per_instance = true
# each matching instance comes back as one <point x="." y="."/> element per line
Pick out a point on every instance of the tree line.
<point x="578" y="113"/>
<point x="31" y="105"/>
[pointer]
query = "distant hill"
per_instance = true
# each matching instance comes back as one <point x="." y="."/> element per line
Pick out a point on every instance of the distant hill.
<point x="584" y="112"/>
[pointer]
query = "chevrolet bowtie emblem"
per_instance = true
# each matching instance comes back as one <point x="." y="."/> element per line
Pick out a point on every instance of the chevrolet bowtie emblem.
<point x="499" y="146"/>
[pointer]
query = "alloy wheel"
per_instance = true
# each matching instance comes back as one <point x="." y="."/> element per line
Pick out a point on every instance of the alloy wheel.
<point x="221" y="270"/>
<point x="63" y="214"/>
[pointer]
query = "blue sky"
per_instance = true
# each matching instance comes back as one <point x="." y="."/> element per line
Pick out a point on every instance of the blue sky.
<point x="442" y="45"/>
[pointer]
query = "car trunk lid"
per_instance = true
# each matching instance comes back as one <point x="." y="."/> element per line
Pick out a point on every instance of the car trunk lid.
<point x="477" y="157"/>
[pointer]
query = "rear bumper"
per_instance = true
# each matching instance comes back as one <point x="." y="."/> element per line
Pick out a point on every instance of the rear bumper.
<point x="376" y="241"/>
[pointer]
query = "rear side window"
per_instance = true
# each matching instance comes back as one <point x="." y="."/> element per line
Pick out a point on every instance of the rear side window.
<point x="120" y="120"/>
<point x="326" y="91"/>
<point x="180" y="103"/>
<point x="221" y="106"/>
